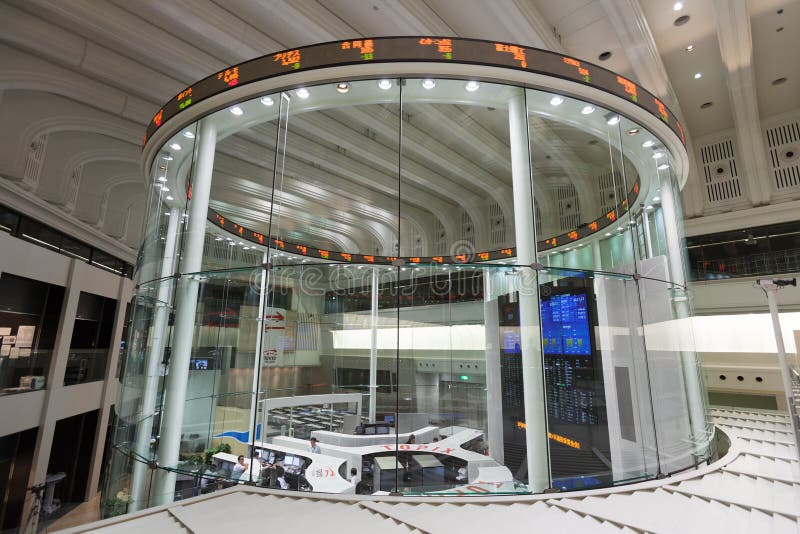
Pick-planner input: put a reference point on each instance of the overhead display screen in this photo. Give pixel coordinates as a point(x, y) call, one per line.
point(423, 49)
point(565, 325)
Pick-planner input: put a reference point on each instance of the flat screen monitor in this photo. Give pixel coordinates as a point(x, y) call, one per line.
point(565, 325)
point(270, 457)
point(200, 364)
point(369, 430)
point(291, 460)
point(388, 418)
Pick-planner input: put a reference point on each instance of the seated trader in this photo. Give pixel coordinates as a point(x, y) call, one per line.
point(313, 447)
point(281, 479)
point(239, 468)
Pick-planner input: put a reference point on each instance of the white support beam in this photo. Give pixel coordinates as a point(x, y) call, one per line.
point(736, 48)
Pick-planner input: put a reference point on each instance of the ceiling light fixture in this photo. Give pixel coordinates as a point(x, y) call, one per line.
point(236, 110)
point(267, 101)
point(677, 6)
point(343, 87)
point(587, 110)
point(303, 92)
point(633, 131)
point(658, 155)
point(165, 189)
point(656, 199)
point(428, 83)
point(663, 166)
point(472, 86)
point(175, 146)
point(167, 158)
point(170, 197)
point(690, 48)
point(608, 234)
point(706, 105)
point(162, 178)
point(188, 135)
point(613, 120)
point(556, 101)
point(648, 143)
point(698, 75)
point(385, 84)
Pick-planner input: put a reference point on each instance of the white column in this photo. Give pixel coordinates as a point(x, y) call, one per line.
point(257, 353)
point(597, 258)
point(152, 367)
point(373, 348)
point(680, 303)
point(185, 310)
point(648, 244)
point(530, 334)
point(494, 384)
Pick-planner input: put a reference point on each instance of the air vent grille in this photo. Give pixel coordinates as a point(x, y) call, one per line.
point(498, 225)
point(33, 165)
point(569, 213)
point(439, 238)
point(612, 190)
point(720, 171)
point(467, 228)
point(783, 142)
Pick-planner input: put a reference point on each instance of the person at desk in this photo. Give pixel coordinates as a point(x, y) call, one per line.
point(354, 478)
point(281, 477)
point(313, 447)
point(239, 468)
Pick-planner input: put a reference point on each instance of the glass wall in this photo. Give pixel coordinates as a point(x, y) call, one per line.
point(91, 339)
point(29, 317)
point(425, 286)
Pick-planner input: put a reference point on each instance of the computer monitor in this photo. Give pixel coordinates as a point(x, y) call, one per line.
point(293, 461)
point(270, 457)
point(388, 418)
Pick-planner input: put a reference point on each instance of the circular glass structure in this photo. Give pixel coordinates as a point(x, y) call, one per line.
point(460, 273)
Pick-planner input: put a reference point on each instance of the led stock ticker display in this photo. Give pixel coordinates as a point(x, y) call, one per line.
point(246, 234)
point(416, 49)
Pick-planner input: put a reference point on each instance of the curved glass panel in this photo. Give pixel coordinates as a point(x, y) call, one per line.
point(416, 285)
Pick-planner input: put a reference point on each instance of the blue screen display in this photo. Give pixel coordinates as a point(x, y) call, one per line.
point(565, 325)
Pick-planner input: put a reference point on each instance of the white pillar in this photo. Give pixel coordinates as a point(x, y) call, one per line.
point(597, 258)
point(530, 334)
point(152, 367)
point(185, 309)
point(771, 289)
point(494, 384)
point(257, 359)
point(680, 302)
point(373, 348)
point(648, 244)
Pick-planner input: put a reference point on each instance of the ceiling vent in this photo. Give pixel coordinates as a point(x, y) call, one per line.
point(33, 165)
point(783, 142)
point(497, 221)
point(569, 213)
point(612, 190)
point(720, 170)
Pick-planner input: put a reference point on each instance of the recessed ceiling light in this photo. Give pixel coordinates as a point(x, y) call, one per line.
point(658, 155)
point(162, 178)
point(472, 86)
point(188, 135)
point(302, 92)
point(342, 87)
point(706, 105)
point(648, 143)
point(680, 21)
point(556, 101)
point(604, 56)
point(166, 213)
point(236, 110)
point(170, 197)
point(690, 48)
point(677, 6)
point(778, 81)
point(780, 29)
point(175, 146)
point(167, 158)
point(267, 101)
point(428, 83)
point(385, 84)
point(698, 75)
point(620, 228)
point(165, 189)
point(218, 238)
point(663, 166)
point(656, 199)
point(633, 131)
point(587, 109)
point(608, 234)
point(613, 120)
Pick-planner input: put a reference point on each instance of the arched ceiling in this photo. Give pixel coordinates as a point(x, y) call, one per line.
point(80, 79)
